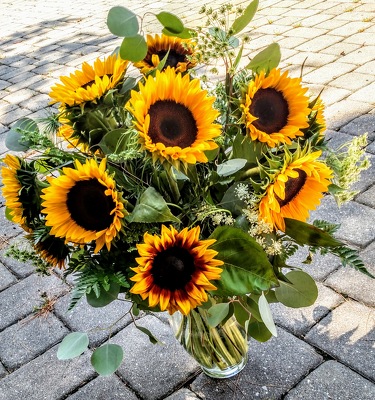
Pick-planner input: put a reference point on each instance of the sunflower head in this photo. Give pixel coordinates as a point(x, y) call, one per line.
point(295, 190)
point(82, 205)
point(275, 109)
point(179, 52)
point(174, 118)
point(51, 249)
point(175, 269)
point(91, 82)
point(20, 191)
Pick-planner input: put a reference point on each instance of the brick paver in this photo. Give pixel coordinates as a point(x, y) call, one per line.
point(324, 351)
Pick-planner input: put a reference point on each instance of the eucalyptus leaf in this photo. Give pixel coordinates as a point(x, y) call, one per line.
point(22, 127)
point(243, 20)
point(266, 60)
point(107, 358)
point(304, 233)
point(133, 48)
point(147, 332)
point(246, 267)
point(170, 21)
point(122, 22)
point(185, 34)
point(105, 296)
point(266, 314)
point(230, 167)
point(300, 292)
point(73, 345)
point(150, 208)
point(258, 331)
point(241, 314)
point(217, 313)
point(114, 141)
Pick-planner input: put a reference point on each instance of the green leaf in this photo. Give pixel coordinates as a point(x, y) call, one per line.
point(7, 214)
point(246, 266)
point(185, 34)
point(258, 331)
point(266, 314)
point(170, 21)
point(150, 208)
point(243, 20)
point(151, 337)
point(122, 22)
point(304, 233)
point(300, 292)
point(267, 59)
point(231, 166)
point(73, 345)
point(114, 141)
point(240, 313)
point(22, 127)
point(133, 48)
point(217, 313)
point(105, 296)
point(107, 358)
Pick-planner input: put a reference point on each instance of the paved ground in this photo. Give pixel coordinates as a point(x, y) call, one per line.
point(323, 352)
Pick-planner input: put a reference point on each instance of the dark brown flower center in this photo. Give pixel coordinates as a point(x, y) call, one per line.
point(271, 109)
point(172, 268)
point(89, 207)
point(172, 124)
point(173, 58)
point(292, 187)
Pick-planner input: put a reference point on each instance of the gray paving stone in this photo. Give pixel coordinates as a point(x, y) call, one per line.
point(97, 322)
point(319, 268)
point(368, 68)
point(8, 228)
point(359, 126)
point(367, 197)
point(38, 102)
point(20, 299)
point(366, 94)
point(357, 221)
point(19, 96)
point(153, 371)
point(273, 369)
point(354, 284)
point(355, 82)
point(20, 269)
point(183, 394)
point(343, 384)
point(348, 334)
point(319, 44)
point(300, 320)
point(3, 371)
point(109, 387)
point(29, 338)
point(6, 277)
point(46, 378)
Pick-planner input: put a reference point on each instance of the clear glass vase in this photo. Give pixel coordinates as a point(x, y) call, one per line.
point(221, 351)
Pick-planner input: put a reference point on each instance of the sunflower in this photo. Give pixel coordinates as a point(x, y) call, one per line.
point(275, 108)
point(318, 110)
point(180, 53)
point(296, 190)
point(90, 83)
point(175, 269)
point(53, 250)
point(82, 205)
point(174, 118)
point(12, 188)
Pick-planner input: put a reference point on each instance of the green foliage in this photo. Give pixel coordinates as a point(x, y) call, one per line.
point(170, 22)
point(73, 345)
point(246, 267)
point(299, 290)
point(122, 22)
point(243, 20)
point(16, 137)
point(265, 312)
point(350, 257)
point(107, 358)
point(266, 60)
point(151, 207)
point(133, 48)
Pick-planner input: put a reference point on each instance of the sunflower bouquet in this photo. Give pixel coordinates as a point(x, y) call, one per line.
point(178, 174)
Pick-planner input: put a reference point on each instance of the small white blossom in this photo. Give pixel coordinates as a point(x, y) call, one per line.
point(274, 248)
